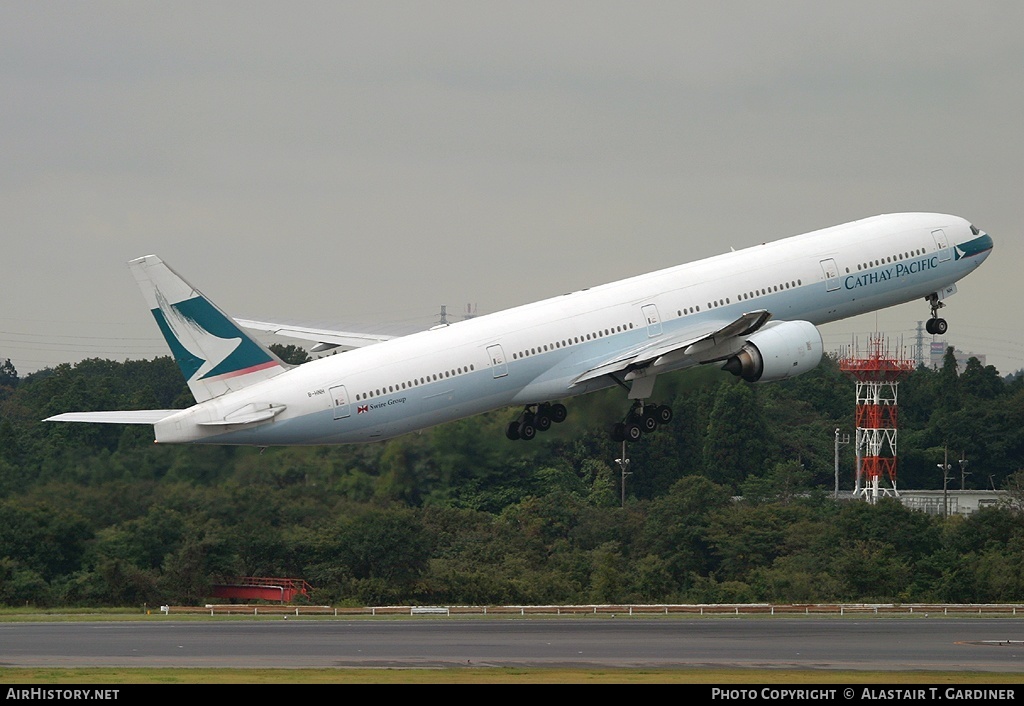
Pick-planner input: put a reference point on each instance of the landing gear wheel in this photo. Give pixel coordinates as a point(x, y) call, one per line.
point(527, 431)
point(542, 422)
point(535, 418)
point(663, 414)
point(558, 413)
point(648, 423)
point(936, 326)
point(642, 419)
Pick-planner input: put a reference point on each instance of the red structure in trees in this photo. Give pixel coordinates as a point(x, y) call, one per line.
point(878, 376)
point(267, 589)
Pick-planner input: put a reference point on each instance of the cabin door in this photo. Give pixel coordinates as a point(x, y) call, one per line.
point(828, 267)
point(499, 366)
point(339, 398)
point(652, 319)
point(942, 243)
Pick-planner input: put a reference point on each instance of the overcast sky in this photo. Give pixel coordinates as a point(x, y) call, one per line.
point(368, 162)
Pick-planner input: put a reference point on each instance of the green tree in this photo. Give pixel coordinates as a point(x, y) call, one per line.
point(745, 537)
point(912, 534)
point(608, 578)
point(293, 355)
point(949, 382)
point(782, 485)
point(872, 570)
point(1014, 487)
point(8, 378)
point(675, 531)
point(999, 572)
point(981, 382)
point(378, 554)
point(735, 443)
point(21, 586)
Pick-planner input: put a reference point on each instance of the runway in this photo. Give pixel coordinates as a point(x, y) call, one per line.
point(958, 644)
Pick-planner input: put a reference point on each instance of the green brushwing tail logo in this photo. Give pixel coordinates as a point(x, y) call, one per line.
point(205, 343)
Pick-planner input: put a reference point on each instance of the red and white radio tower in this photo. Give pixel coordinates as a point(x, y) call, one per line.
point(878, 377)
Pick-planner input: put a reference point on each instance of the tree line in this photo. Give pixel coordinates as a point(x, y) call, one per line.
point(99, 515)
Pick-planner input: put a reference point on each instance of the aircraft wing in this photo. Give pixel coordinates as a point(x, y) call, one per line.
point(709, 340)
point(326, 339)
point(139, 416)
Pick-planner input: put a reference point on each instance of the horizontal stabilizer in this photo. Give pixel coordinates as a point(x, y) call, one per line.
point(325, 339)
point(138, 416)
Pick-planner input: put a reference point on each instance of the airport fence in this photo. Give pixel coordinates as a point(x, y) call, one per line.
point(711, 609)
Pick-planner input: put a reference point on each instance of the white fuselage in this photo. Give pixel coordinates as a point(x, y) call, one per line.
point(534, 353)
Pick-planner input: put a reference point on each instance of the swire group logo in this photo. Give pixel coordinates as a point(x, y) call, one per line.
point(362, 408)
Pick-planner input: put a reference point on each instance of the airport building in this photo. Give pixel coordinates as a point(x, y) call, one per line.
point(942, 502)
point(938, 353)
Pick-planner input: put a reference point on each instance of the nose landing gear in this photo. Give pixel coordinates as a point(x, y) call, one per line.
point(935, 325)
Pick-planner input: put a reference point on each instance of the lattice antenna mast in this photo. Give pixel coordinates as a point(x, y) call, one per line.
point(878, 376)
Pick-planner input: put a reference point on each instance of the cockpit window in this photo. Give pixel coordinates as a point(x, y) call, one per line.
point(975, 230)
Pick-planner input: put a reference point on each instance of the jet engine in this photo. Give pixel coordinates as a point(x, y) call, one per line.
point(780, 350)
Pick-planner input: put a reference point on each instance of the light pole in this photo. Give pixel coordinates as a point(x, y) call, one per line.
point(844, 442)
point(623, 464)
point(945, 483)
point(963, 470)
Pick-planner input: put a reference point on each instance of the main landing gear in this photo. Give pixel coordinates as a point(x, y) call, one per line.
point(641, 419)
point(935, 325)
point(535, 418)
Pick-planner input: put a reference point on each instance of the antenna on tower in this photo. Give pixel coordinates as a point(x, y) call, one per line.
point(878, 376)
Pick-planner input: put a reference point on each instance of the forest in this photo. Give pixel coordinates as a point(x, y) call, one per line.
point(730, 502)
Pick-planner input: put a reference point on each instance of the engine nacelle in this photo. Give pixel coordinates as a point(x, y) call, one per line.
point(780, 350)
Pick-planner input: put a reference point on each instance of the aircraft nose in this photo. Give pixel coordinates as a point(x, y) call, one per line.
point(988, 241)
point(979, 246)
point(985, 245)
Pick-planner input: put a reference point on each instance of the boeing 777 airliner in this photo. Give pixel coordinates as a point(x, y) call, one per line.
point(752, 311)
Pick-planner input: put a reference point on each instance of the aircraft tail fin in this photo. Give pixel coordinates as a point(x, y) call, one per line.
point(214, 353)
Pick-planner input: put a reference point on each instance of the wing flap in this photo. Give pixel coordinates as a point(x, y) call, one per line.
point(138, 416)
point(743, 326)
point(689, 342)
